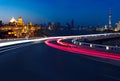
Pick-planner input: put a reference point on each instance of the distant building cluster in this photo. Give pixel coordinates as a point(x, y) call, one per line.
point(18, 29)
point(109, 27)
point(54, 26)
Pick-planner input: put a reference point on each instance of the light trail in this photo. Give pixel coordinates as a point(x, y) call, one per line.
point(63, 46)
point(20, 41)
point(81, 50)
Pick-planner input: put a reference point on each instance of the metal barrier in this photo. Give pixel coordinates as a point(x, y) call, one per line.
point(95, 37)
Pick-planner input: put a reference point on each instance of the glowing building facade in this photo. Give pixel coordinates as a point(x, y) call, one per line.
point(18, 29)
point(20, 21)
point(117, 28)
point(12, 20)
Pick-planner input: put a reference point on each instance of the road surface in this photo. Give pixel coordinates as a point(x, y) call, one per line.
point(39, 62)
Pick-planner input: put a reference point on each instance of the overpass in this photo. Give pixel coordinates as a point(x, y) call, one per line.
point(75, 47)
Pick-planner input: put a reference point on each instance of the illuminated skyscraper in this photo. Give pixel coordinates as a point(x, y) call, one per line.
point(118, 26)
point(20, 21)
point(110, 20)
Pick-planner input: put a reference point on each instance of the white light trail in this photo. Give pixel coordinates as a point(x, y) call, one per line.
point(42, 39)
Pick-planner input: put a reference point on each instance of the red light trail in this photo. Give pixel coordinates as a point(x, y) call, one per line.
point(81, 50)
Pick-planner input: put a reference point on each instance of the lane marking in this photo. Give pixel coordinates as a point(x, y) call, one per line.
point(15, 47)
point(8, 47)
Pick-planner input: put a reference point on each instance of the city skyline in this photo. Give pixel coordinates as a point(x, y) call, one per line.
point(84, 12)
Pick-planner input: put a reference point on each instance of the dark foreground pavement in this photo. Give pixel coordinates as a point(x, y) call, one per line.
point(39, 62)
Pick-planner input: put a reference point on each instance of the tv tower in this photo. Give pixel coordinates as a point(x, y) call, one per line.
point(110, 20)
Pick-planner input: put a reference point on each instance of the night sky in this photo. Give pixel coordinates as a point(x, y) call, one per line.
point(84, 12)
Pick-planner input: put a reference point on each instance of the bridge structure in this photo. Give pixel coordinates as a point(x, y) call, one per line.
point(88, 49)
point(71, 44)
point(81, 41)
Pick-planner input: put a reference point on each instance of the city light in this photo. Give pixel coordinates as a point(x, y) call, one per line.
point(107, 47)
point(18, 29)
point(91, 45)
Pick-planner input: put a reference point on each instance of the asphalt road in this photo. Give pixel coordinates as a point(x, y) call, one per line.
point(38, 62)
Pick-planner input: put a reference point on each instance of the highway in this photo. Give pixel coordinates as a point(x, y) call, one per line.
point(36, 61)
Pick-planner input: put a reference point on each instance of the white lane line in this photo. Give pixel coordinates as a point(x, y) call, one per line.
point(3, 48)
point(8, 47)
point(19, 46)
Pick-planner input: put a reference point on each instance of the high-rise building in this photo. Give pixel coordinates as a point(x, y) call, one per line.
point(20, 21)
point(110, 20)
point(118, 26)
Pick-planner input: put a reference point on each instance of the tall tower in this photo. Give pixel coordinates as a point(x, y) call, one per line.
point(110, 20)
